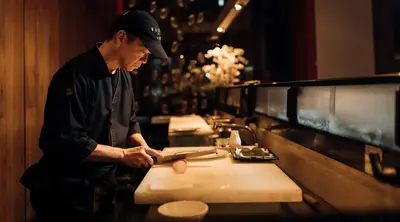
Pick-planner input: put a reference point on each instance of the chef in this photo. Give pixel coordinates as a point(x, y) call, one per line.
point(90, 125)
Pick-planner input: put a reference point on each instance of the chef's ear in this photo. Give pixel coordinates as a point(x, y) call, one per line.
point(120, 36)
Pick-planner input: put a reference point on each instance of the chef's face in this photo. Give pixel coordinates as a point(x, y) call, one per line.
point(131, 51)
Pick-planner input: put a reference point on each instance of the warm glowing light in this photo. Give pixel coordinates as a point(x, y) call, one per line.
point(238, 7)
point(227, 61)
point(219, 29)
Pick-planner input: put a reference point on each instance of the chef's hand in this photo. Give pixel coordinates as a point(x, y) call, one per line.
point(140, 156)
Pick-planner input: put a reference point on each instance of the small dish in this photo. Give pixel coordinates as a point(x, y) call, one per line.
point(253, 155)
point(184, 210)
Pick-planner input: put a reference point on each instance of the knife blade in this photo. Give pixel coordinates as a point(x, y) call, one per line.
point(185, 154)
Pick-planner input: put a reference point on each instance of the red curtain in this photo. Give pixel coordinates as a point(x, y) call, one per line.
point(304, 44)
point(120, 6)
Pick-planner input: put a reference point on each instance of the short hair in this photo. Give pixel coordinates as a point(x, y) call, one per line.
point(130, 37)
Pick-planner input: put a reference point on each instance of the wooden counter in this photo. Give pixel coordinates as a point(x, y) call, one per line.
point(217, 181)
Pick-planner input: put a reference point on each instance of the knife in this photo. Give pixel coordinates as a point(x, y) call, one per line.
point(185, 154)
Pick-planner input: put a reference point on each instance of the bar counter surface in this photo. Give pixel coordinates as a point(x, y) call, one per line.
point(128, 210)
point(219, 180)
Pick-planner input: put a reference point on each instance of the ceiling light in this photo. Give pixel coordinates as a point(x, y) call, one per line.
point(238, 7)
point(219, 29)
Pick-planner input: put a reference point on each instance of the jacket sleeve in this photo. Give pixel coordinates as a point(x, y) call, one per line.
point(134, 126)
point(64, 137)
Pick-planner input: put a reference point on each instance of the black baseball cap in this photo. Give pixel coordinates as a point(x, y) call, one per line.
point(141, 24)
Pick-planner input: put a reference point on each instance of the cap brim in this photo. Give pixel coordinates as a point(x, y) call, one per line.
point(156, 49)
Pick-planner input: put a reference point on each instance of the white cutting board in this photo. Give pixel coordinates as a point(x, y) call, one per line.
point(219, 181)
point(189, 122)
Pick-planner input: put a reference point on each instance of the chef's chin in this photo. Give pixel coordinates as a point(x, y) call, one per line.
point(130, 68)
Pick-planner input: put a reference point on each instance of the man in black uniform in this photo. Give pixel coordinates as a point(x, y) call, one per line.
point(90, 126)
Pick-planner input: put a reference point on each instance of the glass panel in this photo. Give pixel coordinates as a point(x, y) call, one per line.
point(277, 97)
point(222, 93)
point(236, 93)
point(314, 107)
point(261, 100)
point(366, 113)
point(229, 99)
point(233, 97)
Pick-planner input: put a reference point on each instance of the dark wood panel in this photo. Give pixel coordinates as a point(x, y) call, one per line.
point(82, 24)
point(36, 38)
point(55, 31)
point(72, 29)
point(12, 204)
point(41, 61)
point(99, 16)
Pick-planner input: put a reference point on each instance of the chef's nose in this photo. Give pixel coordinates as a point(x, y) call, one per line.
point(144, 58)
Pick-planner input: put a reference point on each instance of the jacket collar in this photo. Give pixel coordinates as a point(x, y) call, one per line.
point(96, 63)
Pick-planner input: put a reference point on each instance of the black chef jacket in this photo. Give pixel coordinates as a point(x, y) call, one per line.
point(85, 106)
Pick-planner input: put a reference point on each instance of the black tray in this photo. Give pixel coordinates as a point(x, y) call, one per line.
point(254, 158)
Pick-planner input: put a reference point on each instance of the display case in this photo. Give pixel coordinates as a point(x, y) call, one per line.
point(237, 100)
point(230, 99)
point(272, 101)
point(360, 109)
point(221, 95)
point(365, 113)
